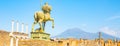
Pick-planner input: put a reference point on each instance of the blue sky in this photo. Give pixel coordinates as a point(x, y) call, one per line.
point(88, 15)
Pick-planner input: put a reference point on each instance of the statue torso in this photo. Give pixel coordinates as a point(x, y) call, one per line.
point(46, 17)
point(40, 15)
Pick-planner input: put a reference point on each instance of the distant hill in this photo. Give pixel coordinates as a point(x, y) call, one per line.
point(78, 33)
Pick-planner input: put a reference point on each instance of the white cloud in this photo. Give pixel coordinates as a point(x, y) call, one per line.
point(109, 31)
point(113, 18)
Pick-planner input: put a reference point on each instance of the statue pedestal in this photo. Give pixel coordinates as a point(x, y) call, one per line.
point(40, 36)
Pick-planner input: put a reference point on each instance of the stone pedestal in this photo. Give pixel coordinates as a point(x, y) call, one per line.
point(40, 36)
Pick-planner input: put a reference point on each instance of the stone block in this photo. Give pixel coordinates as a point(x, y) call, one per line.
point(40, 36)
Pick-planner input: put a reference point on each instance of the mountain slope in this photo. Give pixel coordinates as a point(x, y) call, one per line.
point(78, 33)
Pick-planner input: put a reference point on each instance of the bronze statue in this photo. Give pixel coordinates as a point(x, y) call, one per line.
point(42, 17)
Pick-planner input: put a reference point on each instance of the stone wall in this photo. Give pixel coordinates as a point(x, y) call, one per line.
point(4, 38)
point(31, 42)
point(5, 41)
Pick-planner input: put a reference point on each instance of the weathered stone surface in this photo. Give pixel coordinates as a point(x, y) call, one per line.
point(4, 38)
point(5, 41)
point(40, 36)
point(37, 43)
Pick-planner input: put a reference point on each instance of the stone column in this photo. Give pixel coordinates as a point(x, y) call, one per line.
point(17, 41)
point(22, 27)
point(12, 25)
point(17, 28)
point(11, 35)
point(26, 29)
point(11, 41)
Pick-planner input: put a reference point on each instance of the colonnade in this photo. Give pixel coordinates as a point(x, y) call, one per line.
point(15, 34)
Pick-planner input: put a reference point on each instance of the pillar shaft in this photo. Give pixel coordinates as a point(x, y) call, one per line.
point(12, 26)
point(22, 27)
point(17, 28)
point(26, 28)
point(11, 42)
point(17, 41)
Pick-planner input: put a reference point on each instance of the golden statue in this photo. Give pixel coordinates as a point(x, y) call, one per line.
point(42, 17)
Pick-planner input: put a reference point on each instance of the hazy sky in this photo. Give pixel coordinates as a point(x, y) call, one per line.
point(88, 15)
